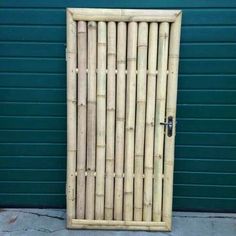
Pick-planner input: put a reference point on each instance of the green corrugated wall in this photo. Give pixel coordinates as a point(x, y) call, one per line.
point(33, 102)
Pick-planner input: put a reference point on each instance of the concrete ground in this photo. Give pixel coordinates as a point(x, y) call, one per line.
point(44, 221)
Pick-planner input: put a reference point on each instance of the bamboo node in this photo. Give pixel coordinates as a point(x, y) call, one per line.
point(150, 74)
point(121, 62)
point(132, 59)
point(168, 163)
point(174, 56)
point(92, 102)
point(72, 101)
point(150, 124)
point(142, 45)
point(129, 128)
point(109, 174)
point(101, 146)
point(102, 44)
point(111, 109)
point(111, 54)
point(101, 95)
point(120, 119)
point(92, 25)
point(147, 204)
point(141, 101)
point(119, 175)
point(91, 173)
point(164, 35)
point(149, 167)
point(81, 105)
point(71, 151)
point(108, 207)
point(139, 156)
point(128, 192)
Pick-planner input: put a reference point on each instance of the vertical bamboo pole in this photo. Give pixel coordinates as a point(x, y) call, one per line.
point(91, 120)
point(120, 120)
point(160, 117)
point(173, 65)
point(130, 120)
point(101, 120)
point(110, 144)
point(71, 118)
point(81, 121)
point(149, 131)
point(140, 119)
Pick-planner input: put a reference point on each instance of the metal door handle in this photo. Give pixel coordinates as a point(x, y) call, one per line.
point(169, 125)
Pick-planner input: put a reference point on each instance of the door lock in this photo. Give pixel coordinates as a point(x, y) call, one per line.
point(169, 125)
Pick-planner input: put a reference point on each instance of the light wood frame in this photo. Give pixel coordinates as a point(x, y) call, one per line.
point(107, 15)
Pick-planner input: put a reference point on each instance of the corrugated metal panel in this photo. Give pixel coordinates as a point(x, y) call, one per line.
point(33, 102)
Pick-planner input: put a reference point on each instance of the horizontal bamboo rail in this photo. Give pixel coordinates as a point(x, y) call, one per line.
point(123, 225)
point(87, 14)
point(125, 71)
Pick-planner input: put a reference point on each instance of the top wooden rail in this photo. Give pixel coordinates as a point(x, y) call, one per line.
point(126, 15)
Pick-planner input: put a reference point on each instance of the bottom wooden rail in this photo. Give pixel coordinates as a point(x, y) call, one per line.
point(116, 224)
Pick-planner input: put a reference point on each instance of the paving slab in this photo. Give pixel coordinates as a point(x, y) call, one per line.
point(37, 222)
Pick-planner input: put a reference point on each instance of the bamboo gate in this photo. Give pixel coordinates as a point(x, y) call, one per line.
point(122, 71)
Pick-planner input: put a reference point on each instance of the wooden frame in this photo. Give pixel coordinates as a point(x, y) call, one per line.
point(91, 117)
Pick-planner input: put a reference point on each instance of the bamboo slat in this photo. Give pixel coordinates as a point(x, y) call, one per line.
point(173, 65)
point(81, 120)
point(160, 117)
point(71, 118)
point(149, 131)
point(91, 119)
point(111, 104)
point(101, 121)
point(140, 119)
point(120, 120)
point(130, 120)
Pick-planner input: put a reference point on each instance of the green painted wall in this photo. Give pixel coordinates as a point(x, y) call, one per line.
point(33, 102)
